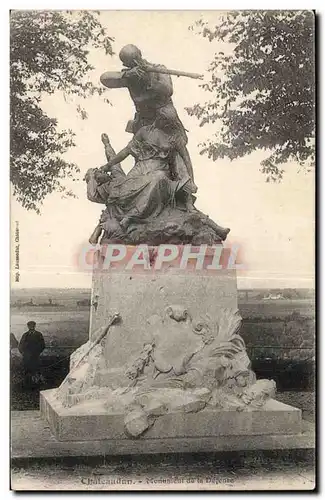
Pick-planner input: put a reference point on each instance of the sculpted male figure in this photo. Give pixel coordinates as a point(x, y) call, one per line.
point(151, 93)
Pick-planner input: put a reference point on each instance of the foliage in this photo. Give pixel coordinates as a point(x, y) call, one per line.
point(48, 53)
point(262, 86)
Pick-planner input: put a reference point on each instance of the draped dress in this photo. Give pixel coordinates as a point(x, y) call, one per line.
point(149, 187)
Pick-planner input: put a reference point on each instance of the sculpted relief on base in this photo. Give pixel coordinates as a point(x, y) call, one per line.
point(188, 365)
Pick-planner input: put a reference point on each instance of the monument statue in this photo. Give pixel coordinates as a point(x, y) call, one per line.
point(154, 203)
point(188, 364)
point(171, 363)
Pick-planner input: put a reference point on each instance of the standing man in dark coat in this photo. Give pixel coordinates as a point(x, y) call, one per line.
point(31, 346)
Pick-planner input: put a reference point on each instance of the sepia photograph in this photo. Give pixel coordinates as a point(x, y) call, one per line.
point(162, 240)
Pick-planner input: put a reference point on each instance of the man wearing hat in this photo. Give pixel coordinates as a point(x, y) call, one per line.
point(31, 346)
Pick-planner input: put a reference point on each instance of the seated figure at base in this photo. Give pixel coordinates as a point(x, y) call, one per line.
point(156, 194)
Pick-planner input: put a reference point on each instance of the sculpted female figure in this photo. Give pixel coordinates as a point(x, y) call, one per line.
point(156, 186)
point(154, 179)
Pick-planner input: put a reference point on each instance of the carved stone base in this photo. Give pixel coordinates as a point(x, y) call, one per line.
point(138, 295)
point(92, 421)
point(164, 360)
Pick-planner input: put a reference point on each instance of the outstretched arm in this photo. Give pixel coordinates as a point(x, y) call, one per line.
point(110, 153)
point(113, 80)
point(124, 153)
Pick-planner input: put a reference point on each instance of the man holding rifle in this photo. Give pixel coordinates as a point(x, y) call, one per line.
point(151, 90)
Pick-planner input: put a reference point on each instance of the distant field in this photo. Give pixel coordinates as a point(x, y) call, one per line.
point(279, 334)
point(68, 298)
point(66, 325)
point(48, 298)
point(276, 308)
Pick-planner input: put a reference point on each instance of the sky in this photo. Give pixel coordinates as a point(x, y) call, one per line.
point(272, 223)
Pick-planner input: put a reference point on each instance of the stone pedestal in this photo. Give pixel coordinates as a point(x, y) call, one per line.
point(138, 296)
point(174, 366)
point(92, 421)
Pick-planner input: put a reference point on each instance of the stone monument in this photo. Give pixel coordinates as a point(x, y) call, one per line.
point(165, 359)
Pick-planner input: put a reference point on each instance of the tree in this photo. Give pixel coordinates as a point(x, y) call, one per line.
point(263, 88)
point(48, 53)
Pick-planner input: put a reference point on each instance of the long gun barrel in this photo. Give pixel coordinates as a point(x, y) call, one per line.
point(175, 72)
point(165, 71)
point(99, 335)
point(115, 80)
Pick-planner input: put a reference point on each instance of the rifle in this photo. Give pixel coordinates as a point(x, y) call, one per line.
point(115, 80)
point(175, 72)
point(99, 335)
point(149, 68)
point(63, 389)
